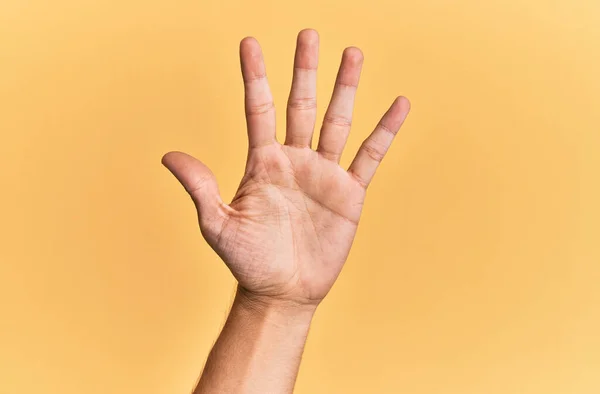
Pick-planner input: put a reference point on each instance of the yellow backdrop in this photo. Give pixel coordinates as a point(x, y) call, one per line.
point(476, 266)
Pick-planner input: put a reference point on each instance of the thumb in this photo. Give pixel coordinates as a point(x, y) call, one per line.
point(201, 184)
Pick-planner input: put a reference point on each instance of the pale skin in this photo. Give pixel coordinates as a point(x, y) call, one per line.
point(287, 232)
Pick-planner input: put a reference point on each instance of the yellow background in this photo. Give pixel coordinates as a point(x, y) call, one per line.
point(476, 266)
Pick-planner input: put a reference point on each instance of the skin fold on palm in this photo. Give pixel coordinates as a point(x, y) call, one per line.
point(288, 230)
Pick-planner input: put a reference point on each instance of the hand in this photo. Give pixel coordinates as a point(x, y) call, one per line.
point(288, 231)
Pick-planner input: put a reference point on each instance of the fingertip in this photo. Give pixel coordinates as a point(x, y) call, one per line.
point(309, 36)
point(249, 45)
point(403, 102)
point(248, 40)
point(251, 59)
point(166, 158)
point(175, 159)
point(353, 55)
point(307, 50)
point(400, 109)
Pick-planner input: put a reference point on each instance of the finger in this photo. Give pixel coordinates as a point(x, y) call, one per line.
point(338, 118)
point(302, 103)
point(374, 148)
point(260, 110)
point(199, 181)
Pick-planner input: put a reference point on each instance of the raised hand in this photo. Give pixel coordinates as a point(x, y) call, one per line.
point(288, 231)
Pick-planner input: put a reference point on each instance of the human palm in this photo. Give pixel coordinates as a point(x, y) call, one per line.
point(288, 230)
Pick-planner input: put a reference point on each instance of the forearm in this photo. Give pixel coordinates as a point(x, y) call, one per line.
point(259, 348)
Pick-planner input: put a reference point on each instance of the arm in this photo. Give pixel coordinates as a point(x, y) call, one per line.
point(259, 349)
point(287, 232)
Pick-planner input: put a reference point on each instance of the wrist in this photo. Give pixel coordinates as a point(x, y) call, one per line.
point(279, 311)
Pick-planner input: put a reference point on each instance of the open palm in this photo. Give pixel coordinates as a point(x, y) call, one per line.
point(290, 226)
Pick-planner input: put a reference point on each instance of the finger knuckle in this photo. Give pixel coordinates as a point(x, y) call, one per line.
point(363, 183)
point(373, 150)
point(386, 129)
point(260, 108)
point(302, 103)
point(338, 120)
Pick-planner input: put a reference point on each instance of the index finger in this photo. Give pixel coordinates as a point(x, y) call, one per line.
point(260, 110)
